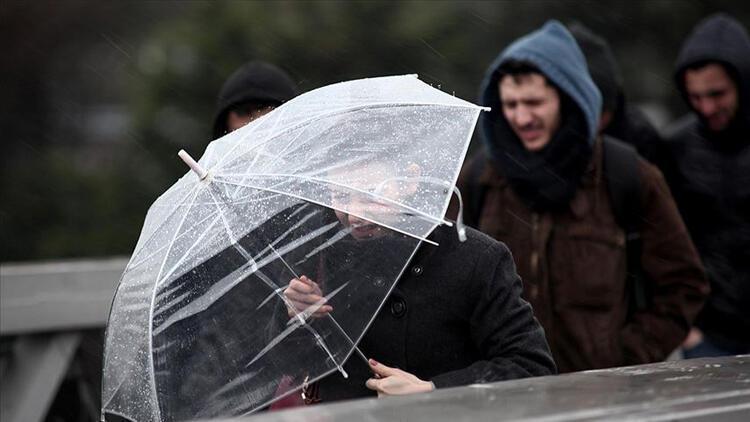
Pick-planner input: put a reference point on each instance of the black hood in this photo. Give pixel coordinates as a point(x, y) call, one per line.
point(255, 81)
point(722, 39)
point(602, 65)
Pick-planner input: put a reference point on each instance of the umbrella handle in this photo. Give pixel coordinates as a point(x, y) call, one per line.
point(460, 228)
point(197, 168)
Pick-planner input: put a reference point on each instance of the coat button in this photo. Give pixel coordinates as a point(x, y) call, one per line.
point(398, 308)
point(416, 270)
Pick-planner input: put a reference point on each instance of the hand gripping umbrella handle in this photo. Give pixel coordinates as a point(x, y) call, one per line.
point(197, 168)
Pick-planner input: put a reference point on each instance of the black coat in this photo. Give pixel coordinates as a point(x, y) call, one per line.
point(455, 317)
point(630, 125)
point(709, 175)
point(711, 186)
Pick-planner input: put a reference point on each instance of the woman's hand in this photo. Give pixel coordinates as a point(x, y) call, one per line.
point(395, 382)
point(306, 296)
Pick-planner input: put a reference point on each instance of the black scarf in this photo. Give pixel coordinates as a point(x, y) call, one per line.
point(545, 180)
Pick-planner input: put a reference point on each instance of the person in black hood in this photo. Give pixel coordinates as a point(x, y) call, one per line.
point(706, 161)
point(619, 119)
point(251, 91)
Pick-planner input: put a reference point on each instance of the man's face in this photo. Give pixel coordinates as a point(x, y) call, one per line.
point(532, 107)
point(713, 94)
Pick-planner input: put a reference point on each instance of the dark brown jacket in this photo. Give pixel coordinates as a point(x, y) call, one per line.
point(573, 267)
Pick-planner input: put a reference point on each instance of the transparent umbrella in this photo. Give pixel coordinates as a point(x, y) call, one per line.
point(339, 185)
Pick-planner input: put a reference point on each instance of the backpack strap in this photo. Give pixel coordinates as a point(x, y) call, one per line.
point(624, 185)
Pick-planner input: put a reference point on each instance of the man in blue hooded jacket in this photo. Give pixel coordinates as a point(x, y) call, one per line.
point(540, 189)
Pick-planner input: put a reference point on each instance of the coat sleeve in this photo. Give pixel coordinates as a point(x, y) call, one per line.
point(671, 263)
point(502, 326)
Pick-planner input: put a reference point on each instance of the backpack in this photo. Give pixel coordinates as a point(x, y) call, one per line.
point(620, 162)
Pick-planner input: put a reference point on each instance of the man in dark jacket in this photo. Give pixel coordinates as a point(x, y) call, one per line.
point(619, 118)
point(251, 91)
point(706, 162)
point(544, 195)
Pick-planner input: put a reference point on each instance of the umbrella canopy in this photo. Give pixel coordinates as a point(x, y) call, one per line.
point(339, 185)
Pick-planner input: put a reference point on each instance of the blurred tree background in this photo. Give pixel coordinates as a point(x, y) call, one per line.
point(97, 97)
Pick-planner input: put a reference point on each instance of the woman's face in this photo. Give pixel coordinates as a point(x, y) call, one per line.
point(379, 185)
point(360, 205)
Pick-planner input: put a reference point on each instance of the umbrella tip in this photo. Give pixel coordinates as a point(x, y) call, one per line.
point(197, 168)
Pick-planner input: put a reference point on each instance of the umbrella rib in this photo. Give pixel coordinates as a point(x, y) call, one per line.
point(215, 398)
point(395, 229)
point(252, 265)
point(356, 347)
point(146, 258)
point(302, 240)
point(276, 156)
point(228, 229)
point(187, 252)
point(178, 299)
point(236, 276)
point(328, 243)
point(331, 182)
point(151, 307)
point(302, 318)
point(156, 229)
point(315, 306)
point(250, 130)
point(336, 323)
point(311, 235)
point(235, 240)
point(343, 110)
point(283, 261)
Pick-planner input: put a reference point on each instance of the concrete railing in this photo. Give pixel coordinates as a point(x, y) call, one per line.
point(44, 306)
point(710, 390)
point(54, 296)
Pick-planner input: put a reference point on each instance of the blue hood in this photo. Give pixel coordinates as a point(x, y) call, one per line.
point(554, 51)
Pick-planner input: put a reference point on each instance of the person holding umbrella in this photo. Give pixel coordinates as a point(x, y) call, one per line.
point(345, 186)
point(455, 316)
